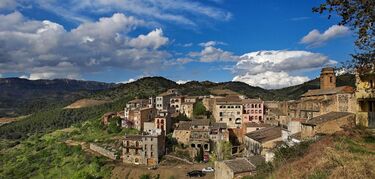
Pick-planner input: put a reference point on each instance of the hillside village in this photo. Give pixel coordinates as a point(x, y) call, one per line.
point(235, 134)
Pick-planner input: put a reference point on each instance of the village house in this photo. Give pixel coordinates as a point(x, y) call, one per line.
point(187, 109)
point(262, 141)
point(182, 132)
point(162, 101)
point(191, 99)
point(200, 134)
point(219, 132)
point(365, 95)
point(252, 126)
point(235, 168)
point(145, 149)
point(107, 116)
point(176, 102)
point(326, 124)
point(137, 103)
point(253, 110)
point(138, 116)
point(163, 122)
point(327, 99)
point(228, 110)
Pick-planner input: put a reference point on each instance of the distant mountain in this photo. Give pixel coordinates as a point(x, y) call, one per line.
point(294, 92)
point(21, 96)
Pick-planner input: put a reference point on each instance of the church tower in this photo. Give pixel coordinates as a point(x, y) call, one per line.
point(327, 78)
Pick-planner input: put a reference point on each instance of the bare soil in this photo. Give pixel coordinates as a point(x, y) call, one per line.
point(86, 103)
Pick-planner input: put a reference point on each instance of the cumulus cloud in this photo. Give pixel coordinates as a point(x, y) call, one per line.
point(176, 11)
point(129, 81)
point(42, 48)
point(265, 68)
point(154, 39)
point(271, 80)
point(8, 4)
point(210, 53)
point(315, 38)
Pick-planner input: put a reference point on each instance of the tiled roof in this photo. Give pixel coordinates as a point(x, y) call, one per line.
point(247, 101)
point(219, 125)
point(326, 117)
point(239, 165)
point(229, 100)
point(317, 92)
point(184, 125)
point(254, 124)
point(200, 122)
point(265, 134)
point(257, 160)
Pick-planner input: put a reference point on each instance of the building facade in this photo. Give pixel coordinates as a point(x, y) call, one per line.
point(253, 110)
point(365, 95)
point(228, 110)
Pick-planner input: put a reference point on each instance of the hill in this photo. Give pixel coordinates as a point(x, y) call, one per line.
point(21, 96)
point(345, 154)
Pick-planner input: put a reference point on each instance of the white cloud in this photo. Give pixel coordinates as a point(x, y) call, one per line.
point(211, 43)
point(271, 80)
point(180, 82)
point(315, 38)
point(154, 39)
point(212, 54)
point(8, 4)
point(42, 48)
point(271, 69)
point(280, 60)
point(176, 11)
point(129, 81)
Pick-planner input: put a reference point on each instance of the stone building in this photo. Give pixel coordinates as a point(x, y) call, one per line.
point(191, 99)
point(137, 103)
point(327, 99)
point(187, 109)
point(176, 102)
point(252, 126)
point(163, 100)
point(107, 116)
point(200, 134)
point(262, 141)
point(365, 95)
point(139, 115)
point(326, 124)
point(182, 132)
point(253, 110)
point(145, 149)
point(236, 168)
point(163, 121)
point(228, 110)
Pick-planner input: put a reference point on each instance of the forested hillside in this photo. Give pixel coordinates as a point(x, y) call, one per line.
point(21, 96)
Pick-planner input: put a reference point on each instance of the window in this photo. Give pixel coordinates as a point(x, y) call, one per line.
point(151, 146)
point(331, 79)
point(230, 119)
point(221, 113)
point(252, 105)
point(152, 154)
point(371, 84)
point(221, 119)
point(238, 112)
point(260, 111)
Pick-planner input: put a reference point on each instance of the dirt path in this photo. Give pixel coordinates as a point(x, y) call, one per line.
point(122, 171)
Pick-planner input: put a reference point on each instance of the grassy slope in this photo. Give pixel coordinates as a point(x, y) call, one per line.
point(47, 156)
point(349, 154)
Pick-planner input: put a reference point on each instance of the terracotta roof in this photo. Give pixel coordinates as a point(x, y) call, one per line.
point(265, 134)
point(239, 165)
point(299, 119)
point(254, 124)
point(337, 90)
point(326, 117)
point(133, 137)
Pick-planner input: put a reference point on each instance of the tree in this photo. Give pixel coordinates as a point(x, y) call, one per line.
point(199, 109)
point(114, 125)
point(360, 16)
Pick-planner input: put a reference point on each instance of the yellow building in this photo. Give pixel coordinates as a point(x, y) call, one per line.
point(365, 95)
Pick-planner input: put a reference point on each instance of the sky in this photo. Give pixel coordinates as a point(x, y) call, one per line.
point(266, 43)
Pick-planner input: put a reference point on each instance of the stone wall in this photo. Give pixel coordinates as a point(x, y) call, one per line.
point(105, 152)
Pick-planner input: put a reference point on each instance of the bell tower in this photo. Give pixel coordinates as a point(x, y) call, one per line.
point(327, 78)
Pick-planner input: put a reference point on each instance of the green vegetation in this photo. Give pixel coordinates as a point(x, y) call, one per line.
point(225, 152)
point(199, 109)
point(114, 125)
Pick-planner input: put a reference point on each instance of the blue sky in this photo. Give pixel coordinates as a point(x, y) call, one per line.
point(117, 41)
